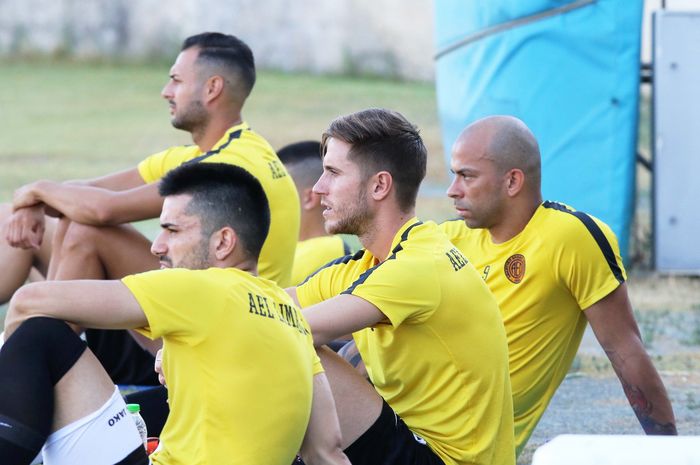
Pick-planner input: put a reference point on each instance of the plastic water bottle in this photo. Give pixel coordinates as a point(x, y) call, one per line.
point(134, 410)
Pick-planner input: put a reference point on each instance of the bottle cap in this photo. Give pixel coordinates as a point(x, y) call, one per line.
point(133, 408)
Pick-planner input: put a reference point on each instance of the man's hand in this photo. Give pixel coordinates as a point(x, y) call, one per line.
point(158, 367)
point(26, 196)
point(25, 228)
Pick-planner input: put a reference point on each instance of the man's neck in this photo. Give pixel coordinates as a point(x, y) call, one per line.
point(380, 236)
point(215, 129)
point(244, 264)
point(517, 218)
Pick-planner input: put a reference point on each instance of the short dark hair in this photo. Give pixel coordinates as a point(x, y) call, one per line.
point(227, 52)
point(383, 140)
point(303, 161)
point(223, 195)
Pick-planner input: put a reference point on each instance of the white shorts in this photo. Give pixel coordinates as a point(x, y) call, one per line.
point(102, 438)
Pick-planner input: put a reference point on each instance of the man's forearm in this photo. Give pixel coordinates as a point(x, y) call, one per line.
point(98, 206)
point(80, 203)
point(646, 393)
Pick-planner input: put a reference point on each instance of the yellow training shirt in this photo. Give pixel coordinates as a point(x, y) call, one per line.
point(239, 361)
point(440, 359)
point(241, 146)
point(313, 253)
point(561, 263)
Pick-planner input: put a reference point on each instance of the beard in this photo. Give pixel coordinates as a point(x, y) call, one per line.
point(193, 117)
point(354, 219)
point(197, 258)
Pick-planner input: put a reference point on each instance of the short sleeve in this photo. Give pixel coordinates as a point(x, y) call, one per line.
point(157, 165)
point(404, 290)
point(591, 265)
point(324, 284)
point(166, 298)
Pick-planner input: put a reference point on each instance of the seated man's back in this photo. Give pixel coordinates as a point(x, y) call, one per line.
point(238, 358)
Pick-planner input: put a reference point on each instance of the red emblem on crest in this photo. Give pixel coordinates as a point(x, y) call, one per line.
point(515, 268)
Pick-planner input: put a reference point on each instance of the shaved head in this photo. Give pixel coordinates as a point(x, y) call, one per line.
point(508, 143)
point(496, 162)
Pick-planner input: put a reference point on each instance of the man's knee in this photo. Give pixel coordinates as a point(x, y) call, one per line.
point(80, 238)
point(44, 342)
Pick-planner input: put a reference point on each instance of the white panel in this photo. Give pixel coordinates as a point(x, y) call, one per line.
point(677, 141)
point(588, 449)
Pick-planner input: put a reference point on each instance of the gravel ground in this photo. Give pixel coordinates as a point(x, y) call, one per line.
point(591, 400)
point(587, 404)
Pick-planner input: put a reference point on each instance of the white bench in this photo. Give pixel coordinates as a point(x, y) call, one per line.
point(579, 449)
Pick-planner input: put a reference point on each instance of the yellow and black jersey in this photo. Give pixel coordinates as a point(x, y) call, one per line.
point(238, 356)
point(440, 357)
point(313, 253)
point(243, 147)
point(562, 262)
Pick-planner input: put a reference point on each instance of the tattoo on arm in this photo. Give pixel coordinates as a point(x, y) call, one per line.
point(643, 408)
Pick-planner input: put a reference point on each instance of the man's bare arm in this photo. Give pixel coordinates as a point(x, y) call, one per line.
point(616, 330)
point(25, 228)
point(340, 315)
point(322, 442)
point(119, 181)
point(87, 303)
point(92, 205)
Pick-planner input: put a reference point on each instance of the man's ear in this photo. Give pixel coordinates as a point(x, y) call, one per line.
point(308, 199)
point(223, 242)
point(515, 180)
point(213, 88)
point(380, 185)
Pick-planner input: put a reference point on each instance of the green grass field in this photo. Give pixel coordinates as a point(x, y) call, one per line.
point(75, 120)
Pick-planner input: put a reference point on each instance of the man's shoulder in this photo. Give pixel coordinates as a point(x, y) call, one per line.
point(246, 139)
point(423, 247)
point(568, 224)
point(453, 227)
point(460, 234)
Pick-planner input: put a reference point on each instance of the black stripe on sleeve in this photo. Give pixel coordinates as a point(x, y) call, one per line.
point(231, 137)
point(337, 261)
point(597, 234)
point(399, 247)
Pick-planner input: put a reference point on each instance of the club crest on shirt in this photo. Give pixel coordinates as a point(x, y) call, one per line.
point(515, 268)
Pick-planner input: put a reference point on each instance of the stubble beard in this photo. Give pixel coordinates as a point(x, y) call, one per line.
point(192, 119)
point(355, 221)
point(198, 258)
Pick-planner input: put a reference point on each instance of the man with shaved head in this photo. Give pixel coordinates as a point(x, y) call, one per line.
point(552, 270)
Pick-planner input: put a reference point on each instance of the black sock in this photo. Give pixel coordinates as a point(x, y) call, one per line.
point(32, 361)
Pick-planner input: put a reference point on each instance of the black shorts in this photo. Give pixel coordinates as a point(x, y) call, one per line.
point(389, 442)
point(124, 360)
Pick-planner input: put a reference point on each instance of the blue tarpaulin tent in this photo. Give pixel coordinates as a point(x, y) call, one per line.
point(570, 70)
